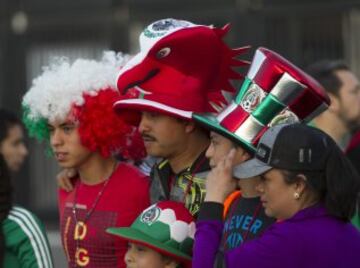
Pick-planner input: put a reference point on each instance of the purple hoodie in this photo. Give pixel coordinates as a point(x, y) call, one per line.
point(311, 238)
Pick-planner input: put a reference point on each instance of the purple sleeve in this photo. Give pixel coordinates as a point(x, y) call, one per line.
point(208, 234)
point(207, 241)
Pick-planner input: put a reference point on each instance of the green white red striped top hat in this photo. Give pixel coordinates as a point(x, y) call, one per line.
point(167, 227)
point(274, 91)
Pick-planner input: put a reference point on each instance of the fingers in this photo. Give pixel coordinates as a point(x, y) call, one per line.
point(227, 163)
point(229, 159)
point(64, 179)
point(219, 182)
point(64, 183)
point(68, 185)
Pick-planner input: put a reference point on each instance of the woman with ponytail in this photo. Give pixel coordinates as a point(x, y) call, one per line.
point(309, 186)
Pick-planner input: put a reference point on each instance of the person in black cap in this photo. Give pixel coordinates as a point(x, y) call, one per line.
point(310, 186)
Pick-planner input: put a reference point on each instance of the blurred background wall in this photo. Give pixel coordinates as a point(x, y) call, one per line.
point(33, 31)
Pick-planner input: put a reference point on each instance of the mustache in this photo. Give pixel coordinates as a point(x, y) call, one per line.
point(148, 137)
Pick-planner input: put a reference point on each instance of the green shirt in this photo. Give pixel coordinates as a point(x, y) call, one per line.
point(25, 241)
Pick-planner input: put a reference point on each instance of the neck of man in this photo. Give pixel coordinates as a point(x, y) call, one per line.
point(189, 154)
point(332, 125)
point(96, 169)
point(248, 187)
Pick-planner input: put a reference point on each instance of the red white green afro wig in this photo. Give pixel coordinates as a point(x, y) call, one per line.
point(84, 92)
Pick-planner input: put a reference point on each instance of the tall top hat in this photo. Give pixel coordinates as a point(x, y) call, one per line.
point(274, 91)
point(181, 68)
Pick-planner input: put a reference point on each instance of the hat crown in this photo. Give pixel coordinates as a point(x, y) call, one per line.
point(181, 65)
point(168, 222)
point(159, 29)
point(274, 91)
point(309, 152)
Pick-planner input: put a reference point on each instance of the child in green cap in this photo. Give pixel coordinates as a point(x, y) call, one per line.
point(161, 237)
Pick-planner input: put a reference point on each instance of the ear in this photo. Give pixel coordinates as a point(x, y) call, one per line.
point(300, 185)
point(241, 155)
point(335, 103)
point(189, 126)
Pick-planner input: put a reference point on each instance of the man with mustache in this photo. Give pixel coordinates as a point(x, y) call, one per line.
point(182, 68)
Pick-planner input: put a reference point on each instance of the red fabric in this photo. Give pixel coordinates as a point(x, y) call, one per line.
point(102, 130)
point(181, 212)
point(274, 67)
point(355, 141)
point(198, 66)
point(234, 119)
point(124, 198)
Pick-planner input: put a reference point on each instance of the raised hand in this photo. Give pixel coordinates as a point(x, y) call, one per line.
point(220, 182)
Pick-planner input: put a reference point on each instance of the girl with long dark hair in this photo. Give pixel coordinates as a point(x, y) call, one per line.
point(23, 240)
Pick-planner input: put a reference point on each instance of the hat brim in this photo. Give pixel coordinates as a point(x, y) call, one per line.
point(210, 122)
point(140, 105)
point(139, 237)
point(250, 168)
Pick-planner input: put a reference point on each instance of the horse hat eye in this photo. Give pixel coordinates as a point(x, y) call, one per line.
point(162, 53)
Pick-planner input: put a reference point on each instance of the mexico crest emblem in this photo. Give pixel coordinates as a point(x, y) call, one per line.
point(251, 99)
point(150, 215)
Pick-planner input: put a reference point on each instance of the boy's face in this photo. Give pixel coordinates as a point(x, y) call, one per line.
point(220, 147)
point(138, 256)
point(66, 144)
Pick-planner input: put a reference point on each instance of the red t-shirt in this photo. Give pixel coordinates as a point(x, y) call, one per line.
point(125, 196)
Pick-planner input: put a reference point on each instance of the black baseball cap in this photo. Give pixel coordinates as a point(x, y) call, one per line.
point(295, 147)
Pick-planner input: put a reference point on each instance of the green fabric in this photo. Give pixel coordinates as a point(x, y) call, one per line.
point(37, 128)
point(134, 235)
point(158, 230)
point(243, 90)
point(356, 220)
point(25, 241)
point(267, 109)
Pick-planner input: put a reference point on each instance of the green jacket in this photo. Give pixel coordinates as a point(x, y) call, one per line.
point(25, 241)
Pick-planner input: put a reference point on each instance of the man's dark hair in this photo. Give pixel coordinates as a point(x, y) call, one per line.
point(324, 72)
point(7, 120)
